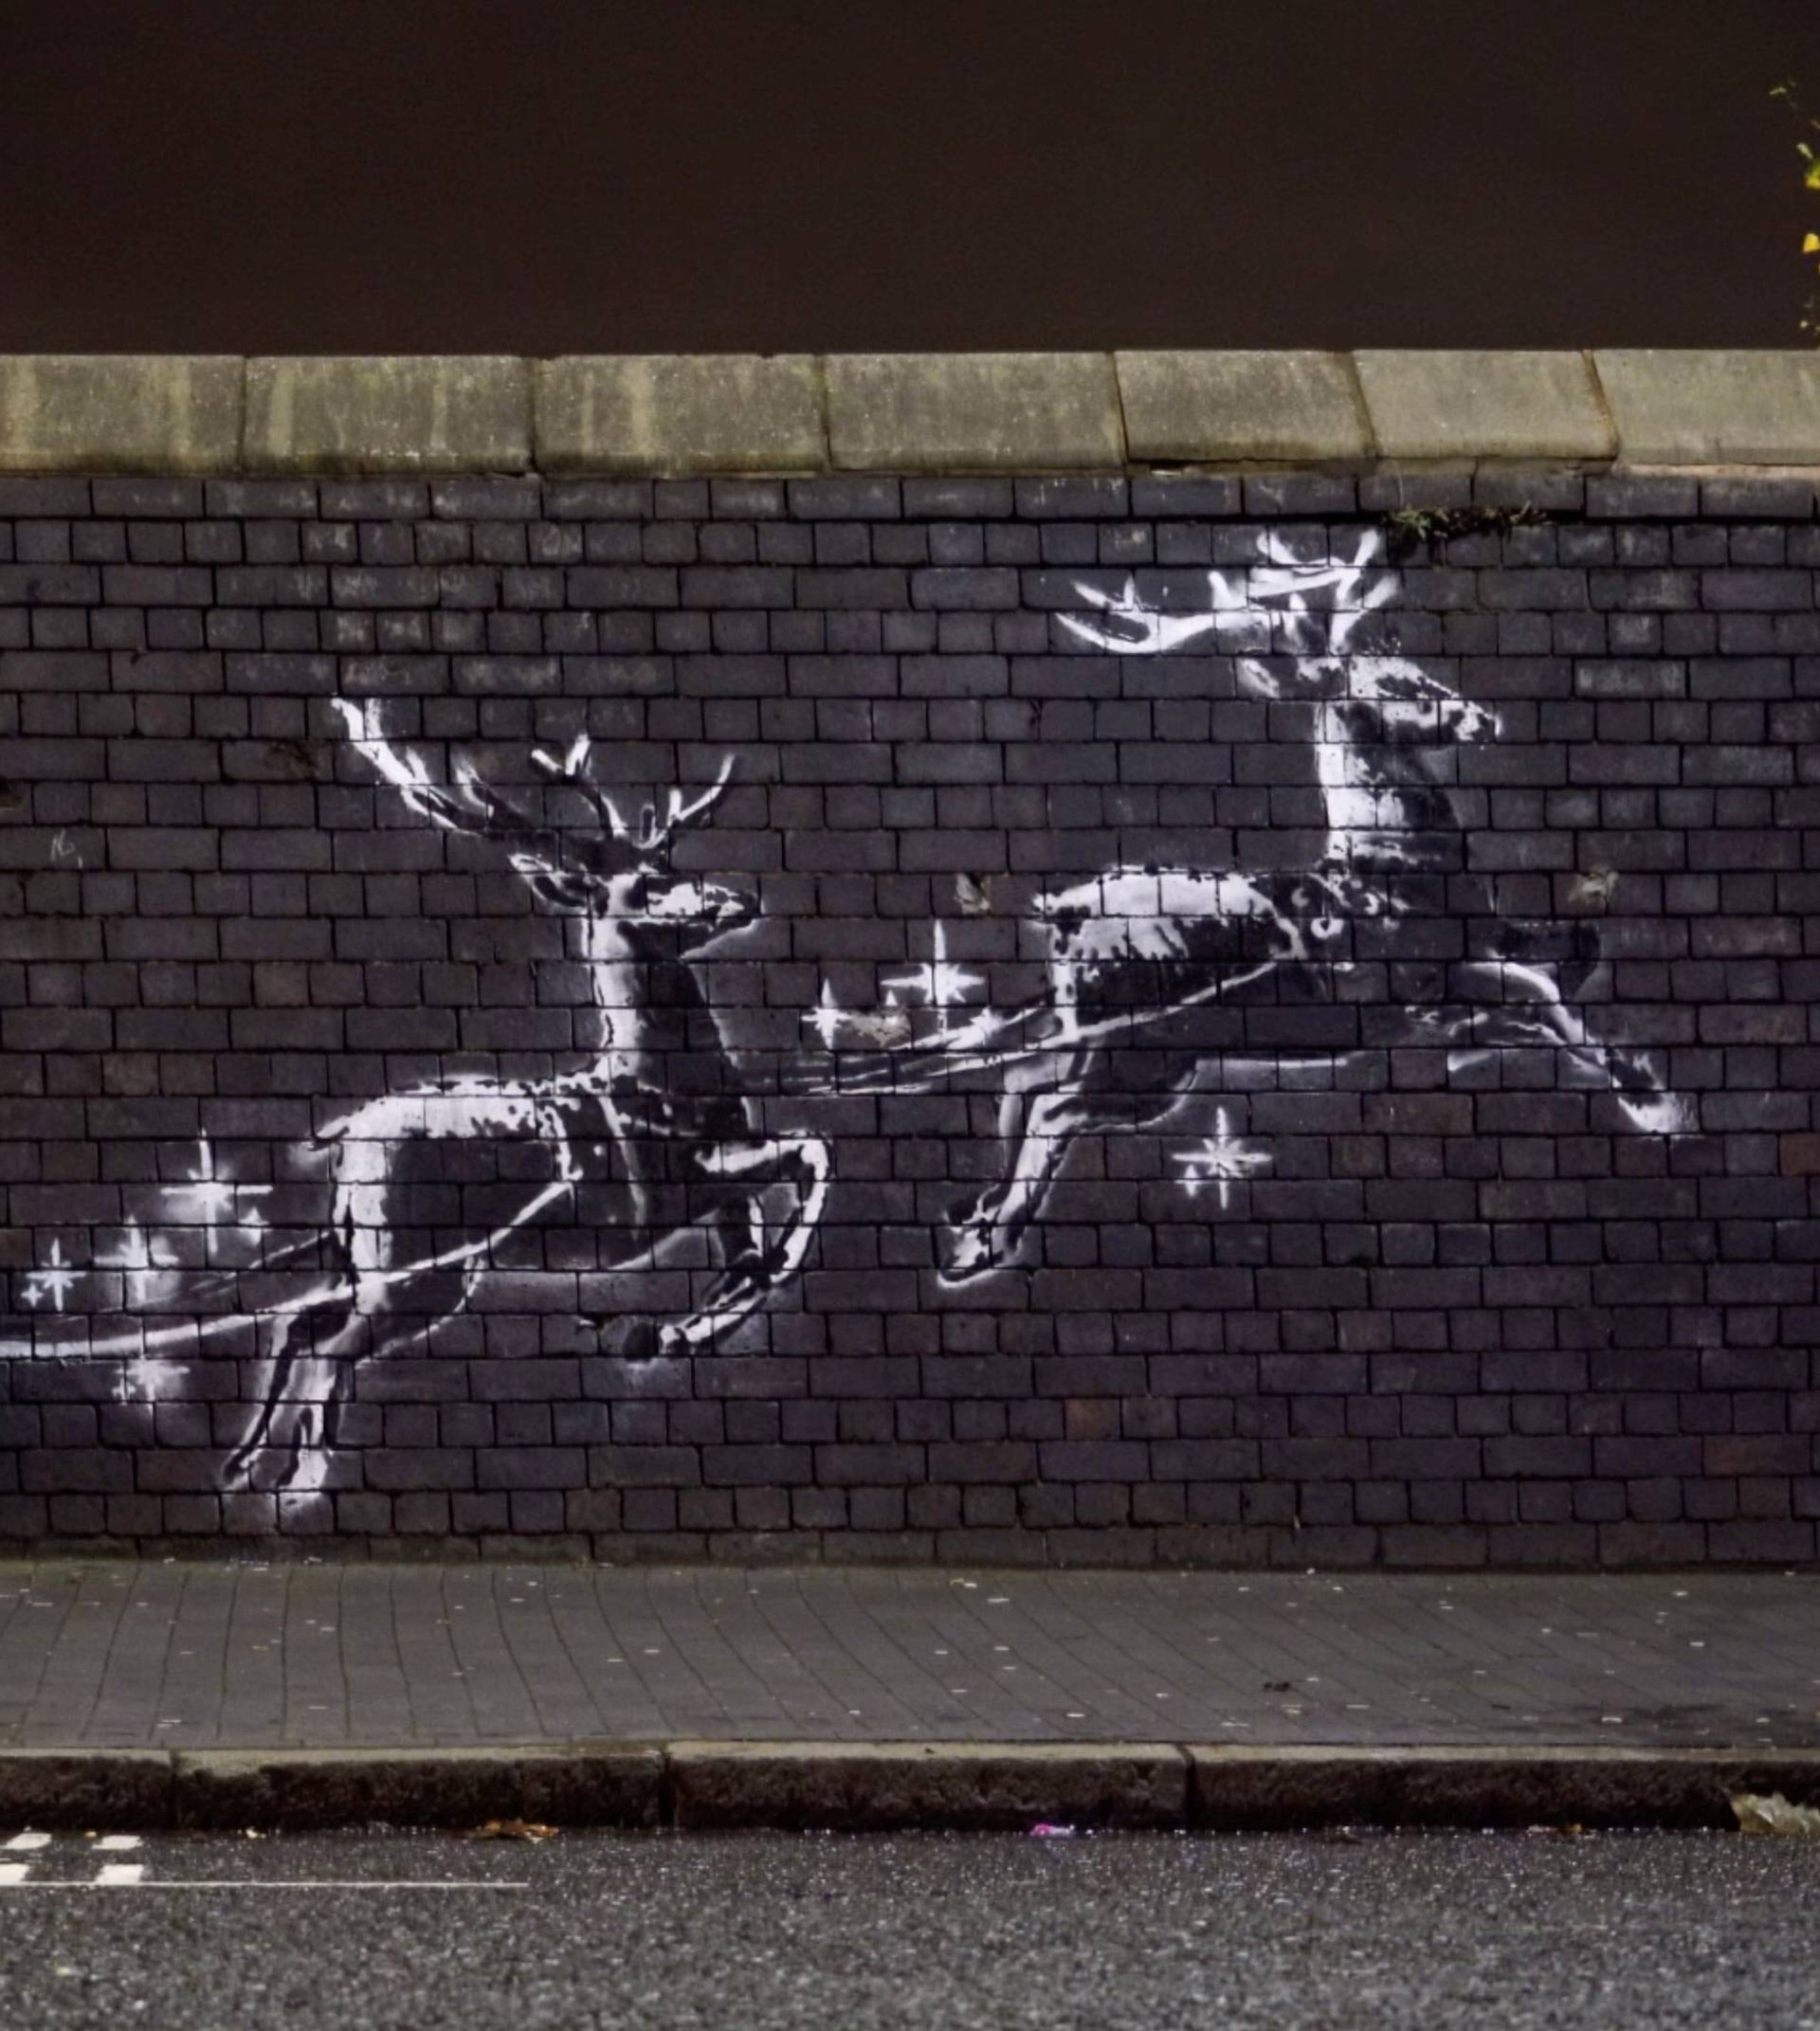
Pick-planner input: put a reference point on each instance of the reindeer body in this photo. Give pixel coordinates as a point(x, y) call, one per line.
point(1128, 955)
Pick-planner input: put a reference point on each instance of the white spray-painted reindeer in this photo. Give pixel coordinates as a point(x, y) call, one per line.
point(1130, 950)
point(683, 1145)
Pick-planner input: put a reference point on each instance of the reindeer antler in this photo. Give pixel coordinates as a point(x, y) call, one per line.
point(470, 807)
point(572, 772)
point(681, 814)
point(651, 837)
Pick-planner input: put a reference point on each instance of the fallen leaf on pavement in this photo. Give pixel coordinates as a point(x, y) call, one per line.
point(512, 1830)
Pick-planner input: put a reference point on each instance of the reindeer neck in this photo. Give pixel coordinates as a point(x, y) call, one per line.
point(642, 987)
point(615, 976)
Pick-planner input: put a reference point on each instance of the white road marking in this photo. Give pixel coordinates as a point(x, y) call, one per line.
point(131, 1874)
point(353, 1883)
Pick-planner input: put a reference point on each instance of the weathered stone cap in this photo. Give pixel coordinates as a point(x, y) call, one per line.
point(912, 413)
point(119, 413)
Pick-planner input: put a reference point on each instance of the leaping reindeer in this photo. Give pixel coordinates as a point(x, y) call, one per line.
point(1129, 951)
point(682, 1157)
point(636, 923)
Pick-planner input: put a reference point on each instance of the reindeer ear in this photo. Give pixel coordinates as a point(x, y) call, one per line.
point(556, 887)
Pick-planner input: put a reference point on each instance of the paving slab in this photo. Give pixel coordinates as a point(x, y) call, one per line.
point(183, 1656)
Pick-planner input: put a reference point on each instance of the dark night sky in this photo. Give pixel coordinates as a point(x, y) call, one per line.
point(593, 176)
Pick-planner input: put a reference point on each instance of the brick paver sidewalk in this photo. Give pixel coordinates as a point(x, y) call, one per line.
point(184, 1655)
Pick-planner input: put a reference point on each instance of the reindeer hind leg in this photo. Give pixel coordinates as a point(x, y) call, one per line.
point(290, 1440)
point(772, 1256)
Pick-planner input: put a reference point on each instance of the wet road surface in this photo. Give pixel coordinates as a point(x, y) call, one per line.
point(757, 1931)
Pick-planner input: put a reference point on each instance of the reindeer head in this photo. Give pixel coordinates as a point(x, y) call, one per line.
point(1393, 703)
point(615, 877)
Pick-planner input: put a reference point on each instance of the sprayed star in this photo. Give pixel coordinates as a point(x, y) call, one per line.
point(827, 1019)
point(939, 985)
point(144, 1257)
point(1221, 1161)
point(54, 1280)
point(214, 1195)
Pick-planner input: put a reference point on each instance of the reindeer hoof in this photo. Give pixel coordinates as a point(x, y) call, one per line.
point(970, 1251)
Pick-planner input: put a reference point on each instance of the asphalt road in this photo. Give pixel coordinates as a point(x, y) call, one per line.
point(761, 1931)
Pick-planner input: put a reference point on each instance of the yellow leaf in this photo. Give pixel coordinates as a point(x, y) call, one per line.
point(1811, 176)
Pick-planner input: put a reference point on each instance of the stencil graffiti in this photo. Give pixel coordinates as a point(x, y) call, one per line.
point(1153, 955)
point(684, 1208)
point(636, 922)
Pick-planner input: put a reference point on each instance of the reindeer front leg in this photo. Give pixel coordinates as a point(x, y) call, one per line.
point(1528, 1007)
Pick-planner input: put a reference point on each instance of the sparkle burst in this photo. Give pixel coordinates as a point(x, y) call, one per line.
point(941, 985)
point(1220, 1161)
point(214, 1195)
point(53, 1281)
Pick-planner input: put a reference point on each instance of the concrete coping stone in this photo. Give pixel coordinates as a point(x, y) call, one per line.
point(1266, 406)
point(1484, 404)
point(973, 412)
point(682, 415)
point(383, 415)
point(119, 413)
point(1714, 409)
point(1366, 412)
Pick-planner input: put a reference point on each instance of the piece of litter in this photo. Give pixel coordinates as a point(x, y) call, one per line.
point(1048, 1830)
point(1773, 1814)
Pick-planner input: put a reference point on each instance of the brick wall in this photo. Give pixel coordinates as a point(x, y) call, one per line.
point(1212, 1019)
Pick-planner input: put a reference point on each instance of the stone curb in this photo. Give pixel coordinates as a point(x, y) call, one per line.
point(977, 1786)
point(1260, 1788)
point(1373, 411)
point(961, 1786)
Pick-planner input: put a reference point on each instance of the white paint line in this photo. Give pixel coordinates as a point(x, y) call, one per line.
point(13, 1872)
point(134, 1882)
point(25, 1843)
point(119, 1874)
point(118, 1843)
